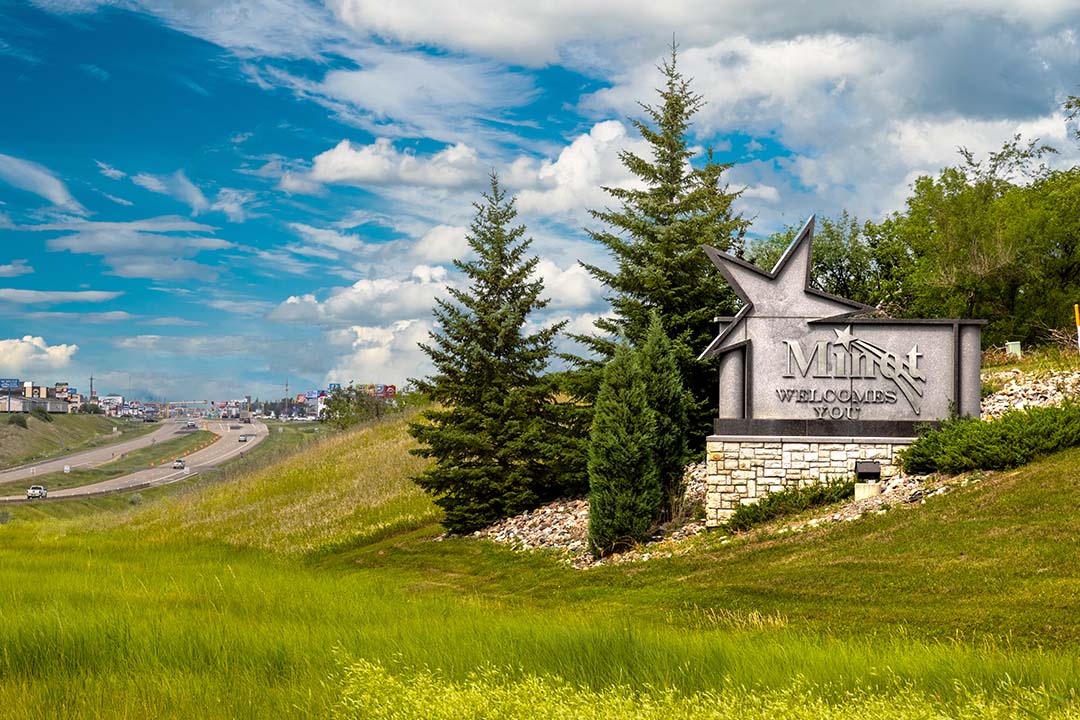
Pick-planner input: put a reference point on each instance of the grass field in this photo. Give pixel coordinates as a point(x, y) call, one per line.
point(64, 435)
point(318, 584)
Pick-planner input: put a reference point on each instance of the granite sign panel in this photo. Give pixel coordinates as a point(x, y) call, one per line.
point(798, 361)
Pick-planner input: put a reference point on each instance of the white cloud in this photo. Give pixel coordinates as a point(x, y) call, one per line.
point(247, 307)
point(161, 224)
point(109, 171)
point(399, 93)
point(327, 238)
point(601, 32)
point(32, 354)
point(233, 203)
point(299, 183)
point(574, 181)
point(39, 180)
point(15, 269)
point(176, 186)
point(572, 287)
point(381, 164)
point(381, 353)
point(118, 200)
point(366, 302)
point(53, 297)
point(94, 318)
point(193, 345)
point(132, 252)
point(443, 244)
point(171, 320)
point(151, 182)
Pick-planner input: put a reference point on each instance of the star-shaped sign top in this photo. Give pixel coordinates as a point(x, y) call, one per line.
point(783, 293)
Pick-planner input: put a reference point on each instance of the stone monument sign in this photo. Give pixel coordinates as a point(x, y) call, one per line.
point(811, 383)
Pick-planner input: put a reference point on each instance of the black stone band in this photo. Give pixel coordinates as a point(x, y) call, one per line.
point(821, 428)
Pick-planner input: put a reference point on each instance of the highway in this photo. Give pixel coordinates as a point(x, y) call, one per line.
point(227, 447)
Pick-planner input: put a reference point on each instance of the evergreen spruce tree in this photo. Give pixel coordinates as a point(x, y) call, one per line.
point(491, 429)
point(667, 398)
point(624, 480)
point(655, 237)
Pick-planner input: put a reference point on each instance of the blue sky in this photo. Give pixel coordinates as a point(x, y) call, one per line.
point(205, 199)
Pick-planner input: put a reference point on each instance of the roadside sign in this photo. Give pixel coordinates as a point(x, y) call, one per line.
point(334, 386)
point(9, 384)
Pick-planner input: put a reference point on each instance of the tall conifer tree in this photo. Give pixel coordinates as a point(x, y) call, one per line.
point(655, 237)
point(490, 431)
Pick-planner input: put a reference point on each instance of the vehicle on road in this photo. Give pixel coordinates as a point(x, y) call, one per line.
point(243, 438)
point(190, 424)
point(36, 492)
point(178, 464)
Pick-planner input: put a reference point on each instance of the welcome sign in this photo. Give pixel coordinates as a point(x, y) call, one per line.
point(799, 361)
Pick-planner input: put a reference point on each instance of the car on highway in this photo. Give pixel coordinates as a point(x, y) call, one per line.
point(36, 492)
point(178, 464)
point(243, 438)
point(190, 424)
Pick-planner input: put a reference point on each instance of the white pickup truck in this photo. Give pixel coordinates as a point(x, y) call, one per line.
point(36, 492)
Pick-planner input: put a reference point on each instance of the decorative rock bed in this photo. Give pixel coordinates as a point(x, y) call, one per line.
point(563, 526)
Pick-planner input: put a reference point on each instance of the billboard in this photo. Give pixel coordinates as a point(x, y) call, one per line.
point(10, 384)
point(334, 386)
point(311, 394)
point(73, 391)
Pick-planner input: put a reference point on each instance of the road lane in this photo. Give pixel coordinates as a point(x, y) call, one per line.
point(227, 447)
point(94, 457)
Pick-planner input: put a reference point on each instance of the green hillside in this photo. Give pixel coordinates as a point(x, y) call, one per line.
point(320, 585)
point(65, 434)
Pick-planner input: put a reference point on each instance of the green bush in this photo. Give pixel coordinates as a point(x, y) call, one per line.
point(625, 488)
point(17, 419)
point(41, 414)
point(789, 502)
point(1015, 439)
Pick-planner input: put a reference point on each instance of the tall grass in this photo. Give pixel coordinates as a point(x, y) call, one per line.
point(314, 586)
point(104, 628)
point(349, 488)
point(372, 693)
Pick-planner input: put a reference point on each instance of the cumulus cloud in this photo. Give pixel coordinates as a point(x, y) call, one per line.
point(386, 354)
point(571, 287)
point(380, 163)
point(366, 302)
point(39, 180)
point(31, 354)
point(15, 268)
point(176, 186)
point(600, 33)
point(443, 244)
point(574, 181)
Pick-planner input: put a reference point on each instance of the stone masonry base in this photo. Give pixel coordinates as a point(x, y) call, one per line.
point(743, 469)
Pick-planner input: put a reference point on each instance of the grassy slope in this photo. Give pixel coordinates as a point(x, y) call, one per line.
point(162, 609)
point(64, 435)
